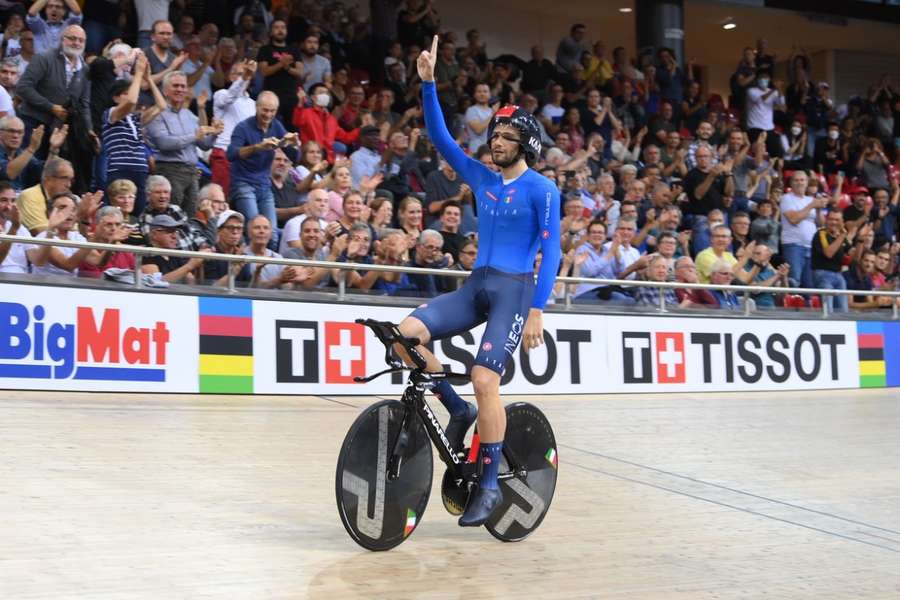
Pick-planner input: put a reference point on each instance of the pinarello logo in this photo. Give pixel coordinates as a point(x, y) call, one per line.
point(487, 346)
point(546, 234)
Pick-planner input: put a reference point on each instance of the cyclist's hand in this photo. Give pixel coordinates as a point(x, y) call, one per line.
point(533, 336)
point(426, 61)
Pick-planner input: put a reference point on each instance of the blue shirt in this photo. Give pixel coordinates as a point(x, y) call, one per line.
point(514, 217)
point(255, 168)
point(596, 266)
point(29, 176)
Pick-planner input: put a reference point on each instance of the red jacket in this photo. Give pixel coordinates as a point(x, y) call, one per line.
point(317, 124)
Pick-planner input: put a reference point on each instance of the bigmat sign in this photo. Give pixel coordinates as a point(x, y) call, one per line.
point(82, 339)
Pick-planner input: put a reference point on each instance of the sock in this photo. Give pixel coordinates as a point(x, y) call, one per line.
point(455, 405)
point(490, 464)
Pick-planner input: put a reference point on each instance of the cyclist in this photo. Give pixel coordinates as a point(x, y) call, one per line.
point(518, 210)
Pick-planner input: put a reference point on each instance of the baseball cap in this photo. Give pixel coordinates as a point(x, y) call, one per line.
point(859, 189)
point(228, 214)
point(164, 222)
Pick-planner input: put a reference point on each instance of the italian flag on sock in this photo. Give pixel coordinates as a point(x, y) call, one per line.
point(551, 457)
point(410, 522)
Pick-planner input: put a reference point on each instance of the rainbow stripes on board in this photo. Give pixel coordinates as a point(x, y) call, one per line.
point(226, 345)
point(878, 368)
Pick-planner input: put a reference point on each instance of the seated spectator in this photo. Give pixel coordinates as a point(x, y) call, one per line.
point(230, 240)
point(110, 229)
point(176, 134)
point(829, 247)
point(686, 272)
point(381, 213)
point(9, 77)
point(159, 202)
point(400, 162)
point(617, 260)
point(13, 257)
point(231, 105)
point(354, 247)
point(754, 268)
point(310, 246)
point(123, 131)
point(316, 208)
point(32, 202)
point(859, 277)
point(338, 183)
point(393, 249)
point(164, 233)
point(657, 270)
point(351, 214)
point(211, 203)
point(316, 123)
point(121, 194)
point(764, 229)
point(259, 232)
point(48, 32)
point(453, 239)
point(740, 231)
point(409, 218)
point(22, 167)
point(62, 223)
point(308, 174)
point(442, 185)
point(722, 274)
point(366, 161)
point(428, 254)
point(718, 251)
point(467, 255)
point(284, 190)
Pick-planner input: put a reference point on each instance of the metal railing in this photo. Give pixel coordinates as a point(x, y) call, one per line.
point(745, 290)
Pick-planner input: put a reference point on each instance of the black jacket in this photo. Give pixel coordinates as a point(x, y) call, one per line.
point(43, 84)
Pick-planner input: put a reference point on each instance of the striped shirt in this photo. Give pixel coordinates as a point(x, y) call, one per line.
point(124, 143)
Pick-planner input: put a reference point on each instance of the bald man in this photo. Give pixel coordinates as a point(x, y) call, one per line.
point(251, 152)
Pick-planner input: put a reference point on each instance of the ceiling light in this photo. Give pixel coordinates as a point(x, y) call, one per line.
point(625, 9)
point(729, 25)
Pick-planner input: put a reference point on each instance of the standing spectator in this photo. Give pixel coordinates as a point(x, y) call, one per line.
point(706, 187)
point(478, 117)
point(149, 13)
point(24, 58)
point(177, 133)
point(872, 165)
point(282, 67)
point(123, 130)
point(829, 247)
point(102, 23)
point(316, 69)
point(316, 123)
point(32, 203)
point(115, 64)
point(827, 156)
point(449, 80)
point(47, 32)
point(704, 133)
point(799, 215)
point(717, 252)
point(197, 68)
point(13, 257)
point(686, 272)
point(250, 153)
point(537, 73)
point(109, 229)
point(400, 162)
point(366, 162)
point(21, 167)
point(9, 77)
point(162, 60)
point(762, 101)
point(186, 28)
point(55, 90)
point(231, 106)
point(284, 190)
point(764, 229)
point(671, 78)
point(163, 232)
point(62, 223)
point(657, 270)
point(571, 47)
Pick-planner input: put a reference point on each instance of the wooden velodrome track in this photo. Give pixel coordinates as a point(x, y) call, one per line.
point(692, 496)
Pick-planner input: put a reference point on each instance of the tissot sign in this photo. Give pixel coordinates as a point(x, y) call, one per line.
point(703, 354)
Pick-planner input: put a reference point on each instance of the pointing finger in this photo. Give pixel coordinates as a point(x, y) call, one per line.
point(434, 45)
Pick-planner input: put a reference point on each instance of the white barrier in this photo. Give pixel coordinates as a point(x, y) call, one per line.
point(82, 339)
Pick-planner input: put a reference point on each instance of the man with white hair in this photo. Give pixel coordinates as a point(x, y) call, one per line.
point(176, 134)
point(231, 106)
point(19, 166)
point(428, 253)
point(55, 90)
point(115, 64)
point(251, 152)
point(159, 202)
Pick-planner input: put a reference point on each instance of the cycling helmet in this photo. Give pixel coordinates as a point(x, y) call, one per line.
point(528, 128)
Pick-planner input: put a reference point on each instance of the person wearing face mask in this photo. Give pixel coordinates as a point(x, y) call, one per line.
point(762, 101)
point(315, 122)
point(794, 144)
point(827, 156)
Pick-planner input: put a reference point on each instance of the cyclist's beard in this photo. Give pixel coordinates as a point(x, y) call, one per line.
point(503, 163)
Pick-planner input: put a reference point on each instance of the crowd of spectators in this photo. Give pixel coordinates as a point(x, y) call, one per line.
point(295, 129)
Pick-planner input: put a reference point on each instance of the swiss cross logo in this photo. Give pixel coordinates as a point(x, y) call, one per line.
point(345, 352)
point(669, 357)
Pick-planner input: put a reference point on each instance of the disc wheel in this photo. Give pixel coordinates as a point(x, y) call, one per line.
point(379, 512)
point(526, 500)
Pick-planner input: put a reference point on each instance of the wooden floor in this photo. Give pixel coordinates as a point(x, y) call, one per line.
point(671, 497)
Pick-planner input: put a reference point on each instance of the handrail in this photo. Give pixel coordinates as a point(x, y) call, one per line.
point(140, 251)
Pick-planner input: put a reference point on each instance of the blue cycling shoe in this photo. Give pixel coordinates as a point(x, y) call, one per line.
point(459, 425)
point(480, 506)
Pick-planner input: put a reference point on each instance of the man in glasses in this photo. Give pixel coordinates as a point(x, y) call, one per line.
point(20, 166)
point(56, 179)
point(518, 212)
point(47, 32)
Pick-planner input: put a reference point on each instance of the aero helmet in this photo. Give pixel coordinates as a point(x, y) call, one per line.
point(528, 128)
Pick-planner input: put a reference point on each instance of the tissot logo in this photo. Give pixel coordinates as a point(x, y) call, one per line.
point(345, 352)
point(296, 351)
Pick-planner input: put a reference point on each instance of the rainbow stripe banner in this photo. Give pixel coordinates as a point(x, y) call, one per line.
point(878, 368)
point(226, 345)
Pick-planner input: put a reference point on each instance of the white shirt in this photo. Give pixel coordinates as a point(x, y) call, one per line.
point(16, 261)
point(232, 105)
point(149, 11)
point(51, 269)
point(477, 113)
point(553, 112)
point(269, 272)
point(291, 231)
point(761, 110)
point(6, 103)
point(803, 232)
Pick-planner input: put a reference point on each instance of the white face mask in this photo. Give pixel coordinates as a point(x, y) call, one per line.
point(796, 130)
point(322, 100)
point(764, 83)
point(834, 134)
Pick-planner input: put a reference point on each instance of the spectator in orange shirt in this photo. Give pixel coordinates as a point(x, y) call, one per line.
point(315, 122)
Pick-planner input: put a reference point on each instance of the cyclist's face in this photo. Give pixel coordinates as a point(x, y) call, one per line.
point(505, 145)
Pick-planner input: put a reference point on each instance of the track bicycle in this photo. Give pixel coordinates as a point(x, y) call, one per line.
point(385, 467)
